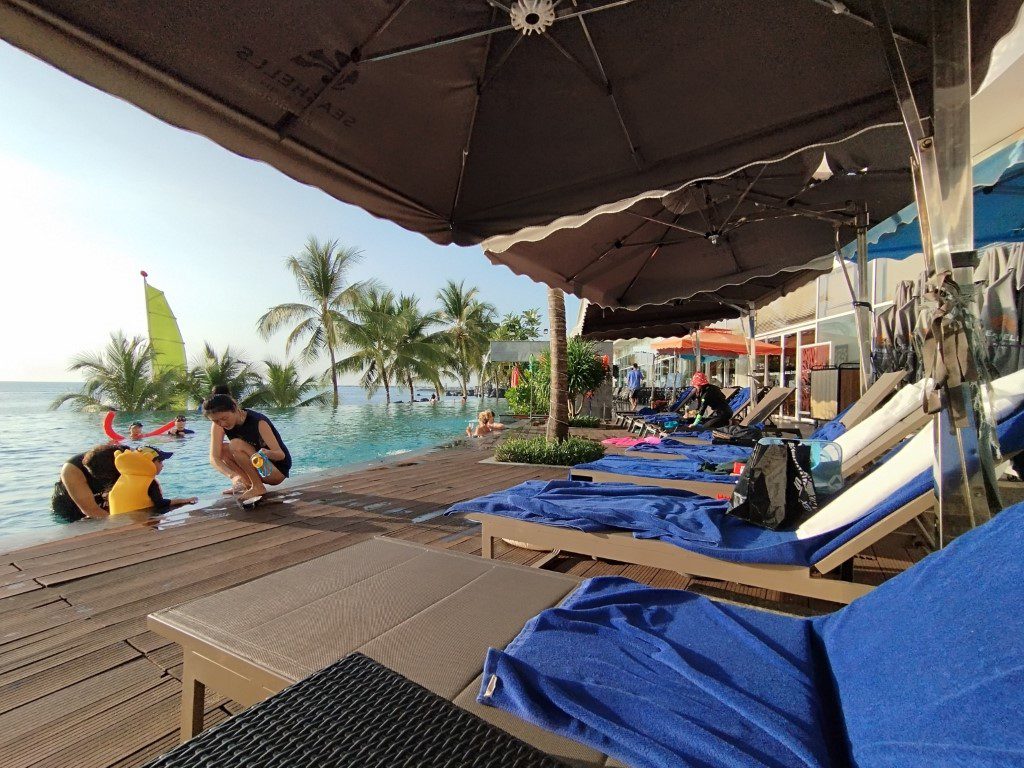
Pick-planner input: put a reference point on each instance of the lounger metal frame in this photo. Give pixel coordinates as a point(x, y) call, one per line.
point(623, 547)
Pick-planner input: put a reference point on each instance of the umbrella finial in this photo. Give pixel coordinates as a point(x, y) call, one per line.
point(532, 16)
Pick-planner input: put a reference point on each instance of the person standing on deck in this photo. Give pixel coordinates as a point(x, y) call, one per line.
point(634, 378)
point(250, 434)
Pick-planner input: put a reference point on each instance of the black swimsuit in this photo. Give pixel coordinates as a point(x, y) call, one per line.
point(249, 430)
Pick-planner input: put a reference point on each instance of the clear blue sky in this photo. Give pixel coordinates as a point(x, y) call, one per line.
point(92, 190)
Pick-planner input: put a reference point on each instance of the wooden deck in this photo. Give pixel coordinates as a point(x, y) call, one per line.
point(83, 683)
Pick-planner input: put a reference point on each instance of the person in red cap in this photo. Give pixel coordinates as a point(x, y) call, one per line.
point(712, 407)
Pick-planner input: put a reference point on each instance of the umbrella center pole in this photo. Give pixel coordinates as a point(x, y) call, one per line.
point(943, 185)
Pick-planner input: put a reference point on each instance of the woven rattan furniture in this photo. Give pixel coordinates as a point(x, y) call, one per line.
point(427, 614)
point(355, 712)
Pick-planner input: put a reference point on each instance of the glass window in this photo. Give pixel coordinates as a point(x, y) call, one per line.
point(842, 332)
point(834, 293)
point(890, 272)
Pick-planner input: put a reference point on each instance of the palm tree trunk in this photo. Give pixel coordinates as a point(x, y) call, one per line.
point(412, 390)
point(387, 388)
point(334, 375)
point(558, 403)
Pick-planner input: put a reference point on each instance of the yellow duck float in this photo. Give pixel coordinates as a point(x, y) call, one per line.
point(131, 491)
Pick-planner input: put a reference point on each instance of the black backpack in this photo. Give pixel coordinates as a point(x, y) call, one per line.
point(775, 489)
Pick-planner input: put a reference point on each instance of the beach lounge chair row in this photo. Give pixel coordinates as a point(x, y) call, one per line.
point(624, 418)
point(761, 413)
point(677, 464)
point(738, 398)
point(924, 671)
point(692, 534)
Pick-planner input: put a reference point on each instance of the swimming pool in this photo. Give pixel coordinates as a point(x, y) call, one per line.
point(35, 441)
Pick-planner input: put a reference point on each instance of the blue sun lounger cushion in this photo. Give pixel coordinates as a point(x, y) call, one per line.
point(926, 670)
point(672, 469)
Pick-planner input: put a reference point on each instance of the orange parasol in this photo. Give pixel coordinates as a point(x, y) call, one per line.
point(714, 341)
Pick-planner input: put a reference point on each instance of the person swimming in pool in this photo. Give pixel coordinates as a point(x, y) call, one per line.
point(135, 430)
point(248, 432)
point(179, 429)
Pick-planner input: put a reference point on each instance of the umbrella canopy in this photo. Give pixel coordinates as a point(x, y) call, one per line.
point(467, 119)
point(722, 231)
point(714, 341)
point(678, 317)
point(998, 210)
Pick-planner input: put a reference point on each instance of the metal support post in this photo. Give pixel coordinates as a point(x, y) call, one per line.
point(749, 325)
point(943, 187)
point(862, 304)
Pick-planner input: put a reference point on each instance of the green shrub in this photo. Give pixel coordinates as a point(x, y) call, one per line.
point(537, 450)
point(585, 421)
point(518, 399)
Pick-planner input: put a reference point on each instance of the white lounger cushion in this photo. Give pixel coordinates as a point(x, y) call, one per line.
point(915, 457)
point(900, 405)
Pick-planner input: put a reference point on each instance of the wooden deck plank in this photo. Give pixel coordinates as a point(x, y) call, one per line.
point(83, 682)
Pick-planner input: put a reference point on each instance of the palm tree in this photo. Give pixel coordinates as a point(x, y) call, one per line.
point(372, 331)
point(122, 377)
point(469, 323)
point(321, 272)
point(558, 404)
point(282, 387)
point(419, 354)
point(225, 368)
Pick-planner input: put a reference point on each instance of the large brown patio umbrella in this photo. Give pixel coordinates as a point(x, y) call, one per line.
point(679, 317)
point(463, 119)
point(716, 232)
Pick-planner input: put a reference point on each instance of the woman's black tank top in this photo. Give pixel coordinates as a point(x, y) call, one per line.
point(249, 430)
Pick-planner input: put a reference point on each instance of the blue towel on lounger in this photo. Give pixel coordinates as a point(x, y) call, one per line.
point(674, 469)
point(651, 513)
point(624, 508)
point(712, 454)
point(924, 671)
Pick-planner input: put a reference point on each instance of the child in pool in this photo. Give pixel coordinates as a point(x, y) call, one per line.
point(486, 423)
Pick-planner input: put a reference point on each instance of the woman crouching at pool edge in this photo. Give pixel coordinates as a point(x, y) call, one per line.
point(248, 432)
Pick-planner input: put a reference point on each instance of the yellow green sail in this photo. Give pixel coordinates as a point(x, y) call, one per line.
point(164, 337)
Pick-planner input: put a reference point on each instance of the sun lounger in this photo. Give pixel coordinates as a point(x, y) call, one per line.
point(636, 422)
point(925, 671)
point(756, 414)
point(624, 416)
point(427, 614)
point(356, 712)
point(884, 386)
point(738, 399)
point(656, 528)
point(871, 438)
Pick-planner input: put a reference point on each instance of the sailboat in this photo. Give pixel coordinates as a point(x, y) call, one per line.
point(164, 336)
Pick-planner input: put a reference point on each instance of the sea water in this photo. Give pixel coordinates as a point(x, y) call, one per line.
point(35, 442)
